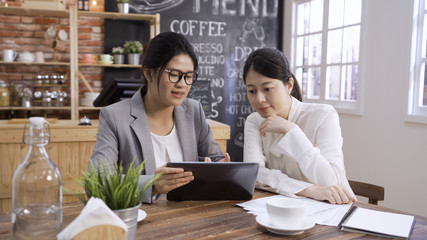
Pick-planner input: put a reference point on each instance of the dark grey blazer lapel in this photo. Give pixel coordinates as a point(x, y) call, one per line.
point(185, 127)
point(142, 131)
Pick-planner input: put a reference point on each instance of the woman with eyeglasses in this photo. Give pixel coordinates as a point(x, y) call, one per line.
point(297, 145)
point(159, 124)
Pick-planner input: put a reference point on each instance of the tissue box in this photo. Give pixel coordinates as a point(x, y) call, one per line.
point(44, 4)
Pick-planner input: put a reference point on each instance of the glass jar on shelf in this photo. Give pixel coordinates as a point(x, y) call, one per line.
point(4, 94)
point(96, 5)
point(39, 79)
point(61, 79)
point(15, 98)
point(46, 79)
point(53, 79)
point(46, 100)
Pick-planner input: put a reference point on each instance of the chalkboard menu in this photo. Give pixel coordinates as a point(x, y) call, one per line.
point(223, 33)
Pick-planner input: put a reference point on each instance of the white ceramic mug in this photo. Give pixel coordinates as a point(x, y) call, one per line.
point(286, 212)
point(106, 58)
point(39, 56)
point(9, 55)
point(26, 57)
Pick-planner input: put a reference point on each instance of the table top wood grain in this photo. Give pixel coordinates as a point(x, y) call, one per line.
point(213, 220)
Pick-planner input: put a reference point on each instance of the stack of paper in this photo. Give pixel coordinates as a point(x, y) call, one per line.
point(320, 212)
point(378, 223)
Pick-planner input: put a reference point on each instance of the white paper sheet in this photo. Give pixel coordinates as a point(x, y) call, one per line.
point(320, 212)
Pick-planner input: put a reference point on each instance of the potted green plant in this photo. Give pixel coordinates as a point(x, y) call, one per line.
point(119, 56)
point(120, 191)
point(133, 49)
point(123, 6)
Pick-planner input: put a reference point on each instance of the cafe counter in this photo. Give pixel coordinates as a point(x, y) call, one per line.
point(70, 148)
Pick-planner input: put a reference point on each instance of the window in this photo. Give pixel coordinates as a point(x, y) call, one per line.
point(327, 42)
point(417, 107)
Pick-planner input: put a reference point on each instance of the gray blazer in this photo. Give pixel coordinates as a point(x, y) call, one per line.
point(124, 135)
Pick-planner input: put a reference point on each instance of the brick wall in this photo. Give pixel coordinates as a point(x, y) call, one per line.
point(91, 40)
point(22, 33)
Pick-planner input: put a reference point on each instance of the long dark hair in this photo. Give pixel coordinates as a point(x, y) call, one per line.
point(272, 63)
point(161, 49)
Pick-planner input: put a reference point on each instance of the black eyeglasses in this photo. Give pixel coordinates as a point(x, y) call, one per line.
point(176, 76)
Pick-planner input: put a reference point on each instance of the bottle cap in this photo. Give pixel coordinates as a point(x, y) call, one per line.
point(37, 121)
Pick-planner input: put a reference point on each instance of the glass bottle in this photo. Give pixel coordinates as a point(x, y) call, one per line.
point(36, 187)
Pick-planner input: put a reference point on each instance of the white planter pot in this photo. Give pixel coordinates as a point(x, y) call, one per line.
point(123, 7)
point(133, 58)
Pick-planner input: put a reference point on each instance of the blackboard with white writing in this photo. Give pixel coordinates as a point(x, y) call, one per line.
point(223, 33)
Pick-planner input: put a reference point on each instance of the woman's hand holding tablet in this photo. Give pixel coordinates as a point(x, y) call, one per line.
point(218, 158)
point(171, 178)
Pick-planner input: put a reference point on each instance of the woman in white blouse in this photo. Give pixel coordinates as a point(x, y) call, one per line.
point(298, 145)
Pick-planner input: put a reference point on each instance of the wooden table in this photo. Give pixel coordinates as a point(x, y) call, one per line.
point(70, 149)
point(213, 220)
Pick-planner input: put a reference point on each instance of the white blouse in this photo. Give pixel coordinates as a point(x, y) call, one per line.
point(167, 148)
point(310, 153)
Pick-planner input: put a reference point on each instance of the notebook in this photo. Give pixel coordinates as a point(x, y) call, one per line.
point(216, 181)
point(378, 223)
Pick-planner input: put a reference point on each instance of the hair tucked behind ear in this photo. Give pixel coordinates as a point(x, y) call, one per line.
point(161, 49)
point(296, 90)
point(272, 63)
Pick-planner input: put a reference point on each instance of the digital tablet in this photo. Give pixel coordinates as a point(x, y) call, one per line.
point(216, 181)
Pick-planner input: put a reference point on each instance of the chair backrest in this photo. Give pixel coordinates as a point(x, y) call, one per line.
point(373, 192)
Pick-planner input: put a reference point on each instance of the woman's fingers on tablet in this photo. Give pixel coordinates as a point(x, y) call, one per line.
point(168, 182)
point(169, 170)
point(227, 158)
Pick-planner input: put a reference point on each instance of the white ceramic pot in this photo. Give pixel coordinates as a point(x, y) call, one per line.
point(26, 57)
point(123, 7)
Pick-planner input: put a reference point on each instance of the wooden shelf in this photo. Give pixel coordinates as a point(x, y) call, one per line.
point(34, 12)
point(118, 16)
point(50, 85)
point(65, 13)
point(35, 108)
point(108, 65)
point(37, 63)
point(89, 108)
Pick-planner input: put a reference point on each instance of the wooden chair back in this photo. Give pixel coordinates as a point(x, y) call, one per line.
point(374, 193)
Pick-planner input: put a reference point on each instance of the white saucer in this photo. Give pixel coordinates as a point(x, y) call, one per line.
point(264, 221)
point(141, 215)
point(106, 62)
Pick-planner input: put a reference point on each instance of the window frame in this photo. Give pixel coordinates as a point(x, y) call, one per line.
point(342, 106)
point(416, 113)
